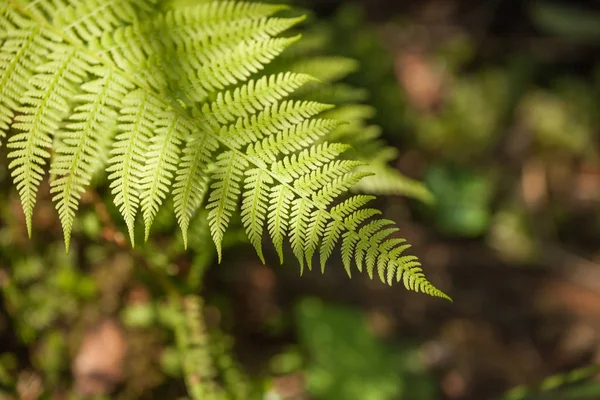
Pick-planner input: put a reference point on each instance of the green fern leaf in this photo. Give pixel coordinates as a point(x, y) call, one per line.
point(254, 206)
point(181, 88)
point(161, 163)
point(315, 231)
point(279, 206)
point(46, 103)
point(331, 237)
point(191, 183)
point(77, 154)
point(253, 97)
point(294, 138)
point(298, 228)
point(136, 123)
point(225, 194)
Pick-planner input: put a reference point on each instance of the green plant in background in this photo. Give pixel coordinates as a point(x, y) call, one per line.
point(346, 361)
point(572, 385)
point(182, 112)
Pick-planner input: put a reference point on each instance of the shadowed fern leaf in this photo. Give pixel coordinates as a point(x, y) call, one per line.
point(169, 99)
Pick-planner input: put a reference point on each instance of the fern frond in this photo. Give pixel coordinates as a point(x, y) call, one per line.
point(294, 138)
point(271, 120)
point(294, 166)
point(254, 206)
point(225, 194)
point(253, 97)
point(193, 120)
point(191, 182)
point(135, 124)
point(298, 226)
point(161, 163)
point(279, 206)
point(88, 129)
point(45, 104)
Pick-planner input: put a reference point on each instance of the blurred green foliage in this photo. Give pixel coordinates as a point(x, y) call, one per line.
point(344, 359)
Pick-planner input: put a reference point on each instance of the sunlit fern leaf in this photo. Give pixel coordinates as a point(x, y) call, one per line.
point(330, 239)
point(191, 182)
point(45, 104)
point(161, 163)
point(225, 194)
point(136, 123)
point(271, 120)
point(289, 140)
point(278, 219)
point(254, 206)
point(314, 233)
point(294, 166)
point(298, 228)
point(194, 119)
point(93, 120)
point(253, 97)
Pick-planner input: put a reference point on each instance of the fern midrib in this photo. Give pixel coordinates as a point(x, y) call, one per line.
point(227, 145)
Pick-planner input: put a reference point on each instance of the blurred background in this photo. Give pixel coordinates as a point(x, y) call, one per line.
point(493, 105)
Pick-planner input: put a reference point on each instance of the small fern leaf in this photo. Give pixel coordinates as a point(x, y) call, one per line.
point(279, 206)
point(254, 206)
point(292, 139)
point(80, 144)
point(46, 103)
point(191, 182)
point(338, 186)
point(224, 68)
point(135, 124)
point(330, 239)
point(351, 205)
point(278, 117)
point(325, 175)
point(161, 163)
point(349, 240)
point(367, 232)
point(225, 193)
point(314, 234)
point(254, 96)
point(296, 165)
point(301, 208)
